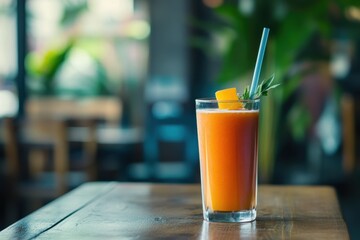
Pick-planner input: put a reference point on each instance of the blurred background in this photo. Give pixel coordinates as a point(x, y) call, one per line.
point(104, 90)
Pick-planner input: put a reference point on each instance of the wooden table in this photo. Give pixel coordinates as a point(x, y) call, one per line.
point(106, 108)
point(154, 211)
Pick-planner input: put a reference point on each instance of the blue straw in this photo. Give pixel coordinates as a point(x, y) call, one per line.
point(259, 60)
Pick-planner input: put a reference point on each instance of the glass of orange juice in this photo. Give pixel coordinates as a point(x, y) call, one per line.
point(228, 150)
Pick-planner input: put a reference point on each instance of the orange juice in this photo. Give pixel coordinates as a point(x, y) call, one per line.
point(228, 143)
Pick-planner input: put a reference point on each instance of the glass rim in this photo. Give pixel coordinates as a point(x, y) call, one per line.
point(214, 100)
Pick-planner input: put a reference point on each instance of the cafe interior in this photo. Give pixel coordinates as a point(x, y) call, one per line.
point(95, 90)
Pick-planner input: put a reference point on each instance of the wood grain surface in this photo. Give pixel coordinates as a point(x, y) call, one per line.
point(164, 211)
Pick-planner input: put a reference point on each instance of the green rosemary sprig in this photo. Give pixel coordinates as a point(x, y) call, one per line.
point(262, 89)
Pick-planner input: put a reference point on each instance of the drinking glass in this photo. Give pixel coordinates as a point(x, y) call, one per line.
point(228, 151)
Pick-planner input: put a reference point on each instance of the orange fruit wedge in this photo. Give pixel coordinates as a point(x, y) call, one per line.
point(228, 94)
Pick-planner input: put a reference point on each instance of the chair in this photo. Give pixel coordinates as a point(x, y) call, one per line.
point(38, 159)
point(170, 143)
point(170, 147)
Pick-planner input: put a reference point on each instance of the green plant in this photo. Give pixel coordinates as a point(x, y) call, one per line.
point(293, 25)
point(44, 66)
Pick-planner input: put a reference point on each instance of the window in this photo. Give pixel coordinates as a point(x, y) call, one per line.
point(8, 69)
